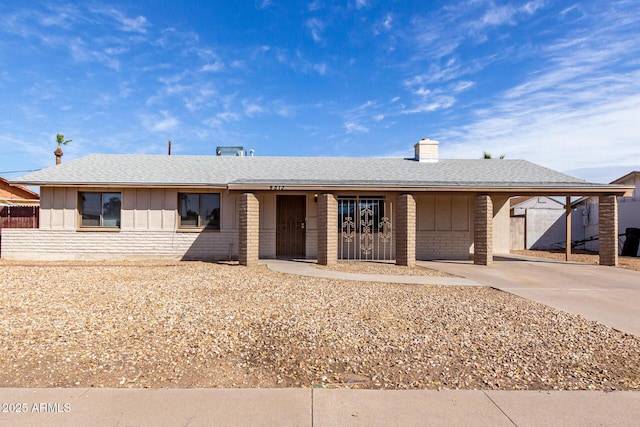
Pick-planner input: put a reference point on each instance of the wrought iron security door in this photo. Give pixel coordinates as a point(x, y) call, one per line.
point(365, 230)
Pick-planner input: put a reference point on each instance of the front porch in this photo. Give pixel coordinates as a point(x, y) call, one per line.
point(486, 208)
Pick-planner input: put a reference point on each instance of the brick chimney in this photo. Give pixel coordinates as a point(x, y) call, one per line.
point(58, 154)
point(426, 150)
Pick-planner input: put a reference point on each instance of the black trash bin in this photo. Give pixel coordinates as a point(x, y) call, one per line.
point(631, 242)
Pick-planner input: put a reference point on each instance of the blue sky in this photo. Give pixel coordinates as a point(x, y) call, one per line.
point(556, 83)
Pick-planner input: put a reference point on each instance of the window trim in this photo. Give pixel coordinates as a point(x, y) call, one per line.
point(198, 228)
point(111, 228)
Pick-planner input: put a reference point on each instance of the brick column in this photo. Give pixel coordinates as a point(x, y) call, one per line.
point(406, 230)
point(249, 230)
point(608, 219)
point(483, 230)
point(327, 229)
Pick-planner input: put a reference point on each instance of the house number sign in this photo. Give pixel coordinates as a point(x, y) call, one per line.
point(276, 187)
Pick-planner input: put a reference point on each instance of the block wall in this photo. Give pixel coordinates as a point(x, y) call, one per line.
point(44, 244)
point(443, 226)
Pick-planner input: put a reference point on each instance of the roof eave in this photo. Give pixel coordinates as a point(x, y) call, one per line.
point(524, 190)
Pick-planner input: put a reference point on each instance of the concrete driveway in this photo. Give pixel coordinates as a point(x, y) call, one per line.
point(608, 295)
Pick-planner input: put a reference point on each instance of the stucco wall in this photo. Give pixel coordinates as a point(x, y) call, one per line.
point(501, 225)
point(546, 229)
point(517, 232)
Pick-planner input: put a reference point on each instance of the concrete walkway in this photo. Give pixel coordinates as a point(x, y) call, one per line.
point(314, 407)
point(306, 268)
point(608, 295)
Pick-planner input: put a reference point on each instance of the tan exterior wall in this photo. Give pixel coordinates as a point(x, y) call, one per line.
point(311, 227)
point(267, 225)
point(517, 232)
point(148, 229)
point(444, 226)
point(501, 225)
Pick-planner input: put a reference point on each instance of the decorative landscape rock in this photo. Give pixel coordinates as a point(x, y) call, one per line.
point(165, 324)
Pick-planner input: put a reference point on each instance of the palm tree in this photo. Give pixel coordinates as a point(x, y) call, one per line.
point(60, 140)
point(488, 156)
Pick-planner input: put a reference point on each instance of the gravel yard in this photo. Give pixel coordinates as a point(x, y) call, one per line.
point(179, 324)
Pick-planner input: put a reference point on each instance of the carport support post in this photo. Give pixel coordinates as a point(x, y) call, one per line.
point(249, 230)
point(567, 255)
point(327, 229)
point(406, 230)
point(608, 219)
point(483, 230)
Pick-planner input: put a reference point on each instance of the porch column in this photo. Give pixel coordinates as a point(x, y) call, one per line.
point(327, 229)
point(608, 219)
point(406, 230)
point(249, 229)
point(567, 253)
point(483, 230)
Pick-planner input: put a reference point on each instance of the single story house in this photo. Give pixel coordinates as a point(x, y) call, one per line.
point(586, 229)
point(246, 207)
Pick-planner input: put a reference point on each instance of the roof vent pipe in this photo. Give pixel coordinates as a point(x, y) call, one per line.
point(426, 150)
point(251, 152)
point(169, 147)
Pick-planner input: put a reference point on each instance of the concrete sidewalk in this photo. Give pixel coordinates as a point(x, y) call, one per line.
point(314, 407)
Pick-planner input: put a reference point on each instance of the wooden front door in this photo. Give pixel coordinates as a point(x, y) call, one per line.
point(290, 228)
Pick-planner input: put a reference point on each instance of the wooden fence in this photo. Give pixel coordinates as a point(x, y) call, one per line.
point(19, 216)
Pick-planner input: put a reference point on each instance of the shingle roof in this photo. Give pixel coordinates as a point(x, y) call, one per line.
point(157, 170)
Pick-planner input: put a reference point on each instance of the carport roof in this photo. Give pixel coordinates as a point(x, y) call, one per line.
point(256, 173)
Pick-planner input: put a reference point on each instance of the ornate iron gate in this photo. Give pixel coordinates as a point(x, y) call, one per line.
point(365, 230)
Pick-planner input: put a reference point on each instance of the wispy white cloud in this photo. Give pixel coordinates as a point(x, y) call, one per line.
point(315, 5)
point(172, 38)
point(320, 68)
point(139, 24)
point(164, 122)
point(214, 67)
point(360, 4)
point(461, 86)
point(263, 4)
point(315, 27)
point(252, 108)
point(82, 53)
point(577, 109)
point(388, 21)
point(352, 127)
